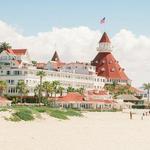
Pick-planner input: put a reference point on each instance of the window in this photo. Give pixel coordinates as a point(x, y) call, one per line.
point(8, 72)
point(12, 81)
point(17, 72)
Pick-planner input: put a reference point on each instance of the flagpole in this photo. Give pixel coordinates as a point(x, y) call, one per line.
point(102, 22)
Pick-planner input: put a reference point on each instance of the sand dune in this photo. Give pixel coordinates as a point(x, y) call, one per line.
point(94, 131)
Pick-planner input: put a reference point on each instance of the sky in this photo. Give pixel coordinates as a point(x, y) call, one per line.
point(73, 28)
point(33, 16)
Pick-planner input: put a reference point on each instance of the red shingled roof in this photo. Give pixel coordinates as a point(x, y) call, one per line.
point(40, 65)
point(108, 67)
point(72, 96)
point(10, 51)
point(104, 38)
point(76, 97)
point(56, 62)
point(19, 51)
point(93, 92)
point(106, 64)
point(55, 57)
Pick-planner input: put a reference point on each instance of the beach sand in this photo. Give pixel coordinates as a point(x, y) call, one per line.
point(94, 131)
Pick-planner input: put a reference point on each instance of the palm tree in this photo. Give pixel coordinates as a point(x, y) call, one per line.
point(70, 89)
point(36, 92)
point(3, 86)
point(80, 90)
point(4, 46)
point(41, 74)
point(55, 84)
point(22, 89)
point(147, 87)
point(60, 90)
point(48, 88)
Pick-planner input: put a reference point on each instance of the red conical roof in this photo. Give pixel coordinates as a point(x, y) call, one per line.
point(104, 38)
point(55, 57)
point(106, 64)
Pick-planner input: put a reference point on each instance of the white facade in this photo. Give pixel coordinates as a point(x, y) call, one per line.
point(84, 75)
point(104, 47)
point(12, 76)
point(78, 67)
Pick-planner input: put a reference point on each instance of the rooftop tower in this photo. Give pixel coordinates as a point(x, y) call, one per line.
point(106, 64)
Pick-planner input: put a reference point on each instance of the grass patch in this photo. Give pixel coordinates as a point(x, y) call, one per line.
point(64, 114)
point(58, 114)
point(73, 113)
point(40, 109)
point(3, 109)
point(28, 113)
point(23, 114)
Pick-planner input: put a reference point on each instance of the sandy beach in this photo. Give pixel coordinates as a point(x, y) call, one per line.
point(106, 131)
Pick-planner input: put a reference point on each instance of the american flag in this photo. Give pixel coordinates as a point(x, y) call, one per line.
point(102, 21)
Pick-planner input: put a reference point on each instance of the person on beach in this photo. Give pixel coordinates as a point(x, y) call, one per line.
point(143, 114)
point(130, 115)
point(142, 117)
point(146, 113)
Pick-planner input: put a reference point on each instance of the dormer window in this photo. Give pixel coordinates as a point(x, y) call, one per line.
point(113, 69)
point(110, 62)
point(102, 69)
point(103, 61)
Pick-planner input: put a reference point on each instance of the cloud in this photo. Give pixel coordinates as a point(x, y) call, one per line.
point(79, 44)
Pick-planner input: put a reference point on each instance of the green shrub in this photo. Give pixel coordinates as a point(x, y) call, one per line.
point(49, 103)
point(23, 114)
point(73, 113)
point(28, 113)
point(3, 109)
point(58, 114)
point(40, 109)
point(30, 99)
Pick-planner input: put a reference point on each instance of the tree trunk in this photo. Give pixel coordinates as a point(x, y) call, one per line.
point(21, 98)
point(55, 95)
point(40, 90)
point(1, 92)
point(148, 94)
point(61, 93)
point(51, 94)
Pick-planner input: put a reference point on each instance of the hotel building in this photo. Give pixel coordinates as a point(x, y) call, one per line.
point(16, 64)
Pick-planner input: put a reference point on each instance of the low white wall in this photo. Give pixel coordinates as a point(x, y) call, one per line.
point(136, 111)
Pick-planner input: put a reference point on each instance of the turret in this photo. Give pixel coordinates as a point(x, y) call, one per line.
point(104, 44)
point(55, 57)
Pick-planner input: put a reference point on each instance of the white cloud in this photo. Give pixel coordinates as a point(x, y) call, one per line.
point(79, 44)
